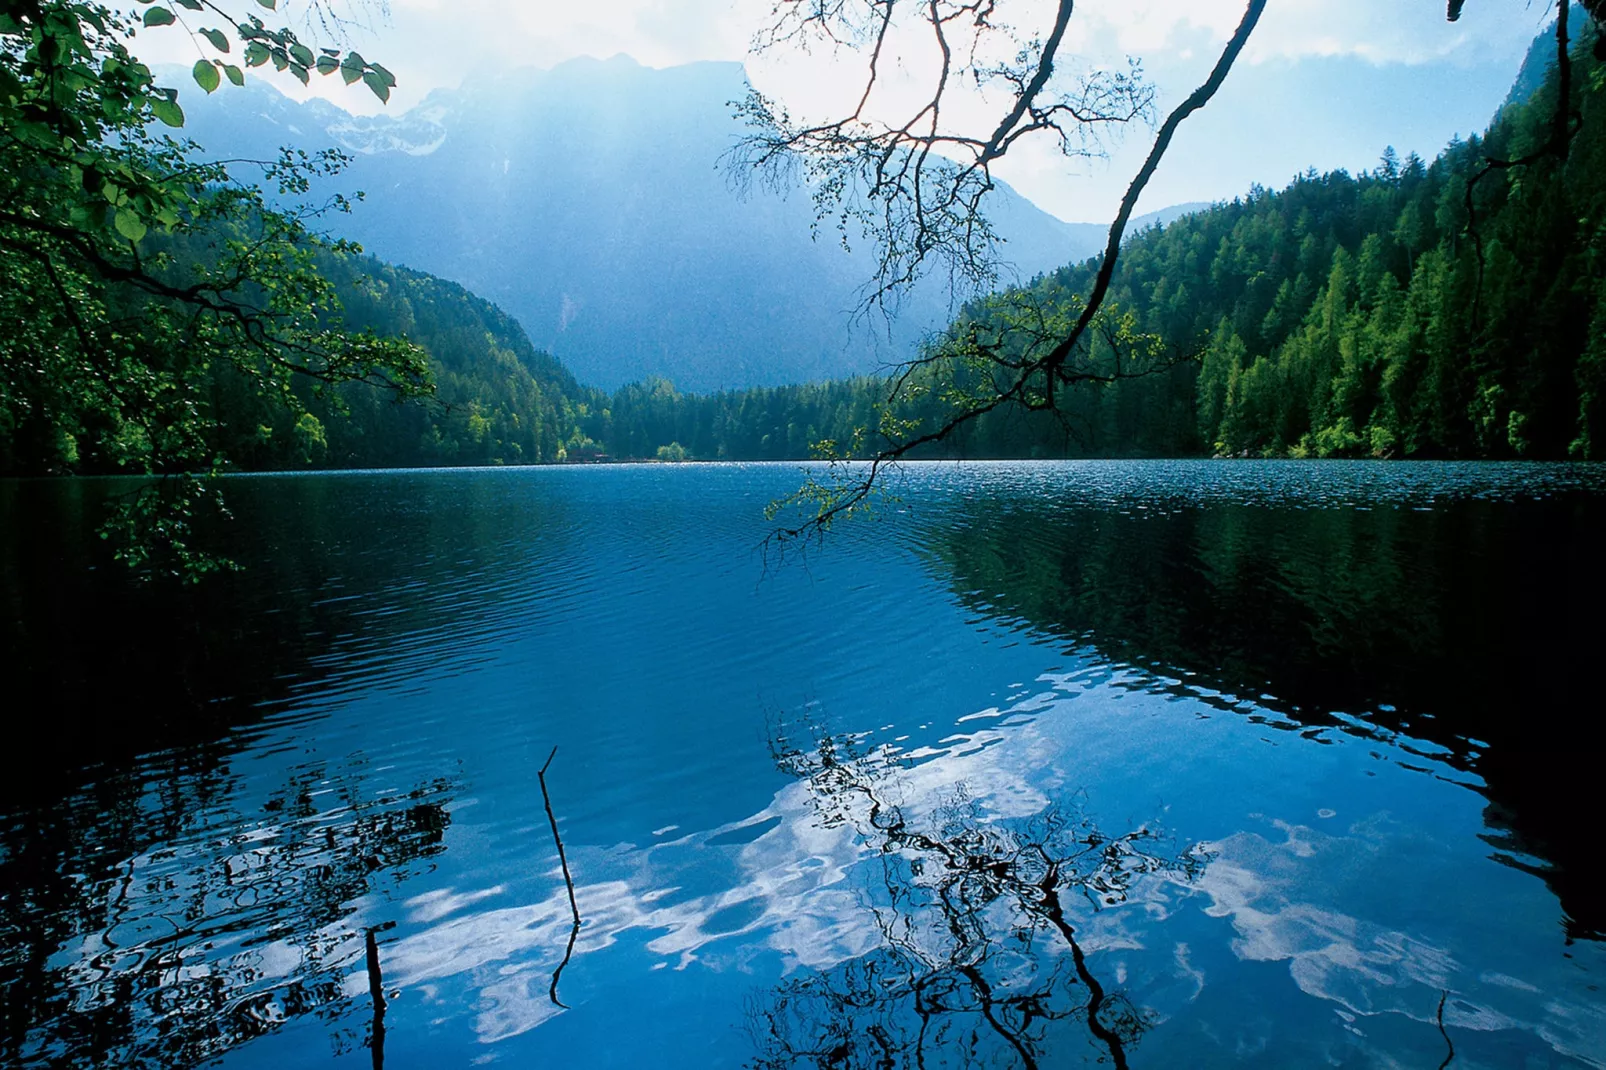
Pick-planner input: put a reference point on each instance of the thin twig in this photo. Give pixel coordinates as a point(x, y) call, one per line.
point(1444, 995)
point(568, 881)
point(1053, 366)
point(376, 990)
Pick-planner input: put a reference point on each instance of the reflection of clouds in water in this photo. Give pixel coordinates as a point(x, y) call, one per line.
point(437, 904)
point(508, 953)
point(792, 890)
point(791, 885)
point(1277, 895)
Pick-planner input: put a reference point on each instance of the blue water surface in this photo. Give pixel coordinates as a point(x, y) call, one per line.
point(1289, 735)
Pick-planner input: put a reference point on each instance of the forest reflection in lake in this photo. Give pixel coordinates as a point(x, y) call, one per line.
point(1133, 762)
point(1470, 616)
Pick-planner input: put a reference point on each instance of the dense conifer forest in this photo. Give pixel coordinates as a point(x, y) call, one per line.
point(1344, 315)
point(497, 400)
point(1450, 308)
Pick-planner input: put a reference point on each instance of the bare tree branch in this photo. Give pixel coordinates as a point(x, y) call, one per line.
point(1032, 359)
point(568, 881)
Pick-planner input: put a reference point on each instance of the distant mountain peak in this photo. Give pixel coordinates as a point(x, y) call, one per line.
point(1541, 56)
point(587, 200)
point(417, 132)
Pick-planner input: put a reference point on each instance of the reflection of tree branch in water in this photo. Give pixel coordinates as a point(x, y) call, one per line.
point(1448, 1043)
point(376, 993)
point(973, 930)
point(1054, 911)
point(568, 881)
point(220, 939)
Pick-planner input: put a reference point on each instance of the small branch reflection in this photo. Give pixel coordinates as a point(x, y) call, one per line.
point(376, 993)
point(979, 962)
point(1449, 1056)
point(568, 882)
point(197, 949)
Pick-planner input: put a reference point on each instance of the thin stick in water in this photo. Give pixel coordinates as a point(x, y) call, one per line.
point(376, 990)
point(1448, 1059)
point(568, 881)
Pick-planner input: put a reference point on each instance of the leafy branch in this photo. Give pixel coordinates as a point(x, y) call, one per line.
point(138, 270)
point(926, 206)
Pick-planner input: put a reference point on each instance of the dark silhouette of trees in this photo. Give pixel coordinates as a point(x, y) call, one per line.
point(978, 952)
point(176, 972)
point(135, 266)
point(916, 186)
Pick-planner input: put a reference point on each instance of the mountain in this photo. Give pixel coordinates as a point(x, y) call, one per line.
point(1344, 315)
point(1541, 57)
point(1163, 218)
point(498, 399)
point(589, 202)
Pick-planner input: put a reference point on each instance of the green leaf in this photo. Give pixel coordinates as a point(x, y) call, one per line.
point(327, 64)
point(219, 40)
point(159, 16)
point(128, 224)
point(193, 5)
point(302, 54)
point(236, 75)
point(300, 72)
point(256, 54)
point(373, 81)
point(205, 74)
point(351, 67)
point(390, 79)
point(271, 5)
point(168, 111)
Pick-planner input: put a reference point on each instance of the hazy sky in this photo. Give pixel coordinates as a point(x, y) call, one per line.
point(1324, 83)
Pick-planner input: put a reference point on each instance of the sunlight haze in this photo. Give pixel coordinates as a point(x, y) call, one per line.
point(1324, 85)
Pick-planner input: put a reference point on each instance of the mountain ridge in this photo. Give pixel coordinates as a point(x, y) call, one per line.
point(587, 200)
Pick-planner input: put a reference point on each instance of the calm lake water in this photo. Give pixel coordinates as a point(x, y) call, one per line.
point(1141, 764)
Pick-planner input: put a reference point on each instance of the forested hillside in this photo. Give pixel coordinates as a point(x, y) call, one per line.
point(1394, 313)
point(591, 203)
point(498, 399)
point(1344, 315)
point(763, 424)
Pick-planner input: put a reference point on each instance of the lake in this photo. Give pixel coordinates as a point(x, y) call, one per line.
point(1135, 763)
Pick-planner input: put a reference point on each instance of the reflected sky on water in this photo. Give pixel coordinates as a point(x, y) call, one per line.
point(1144, 763)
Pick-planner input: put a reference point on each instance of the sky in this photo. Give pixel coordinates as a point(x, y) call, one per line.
point(1323, 83)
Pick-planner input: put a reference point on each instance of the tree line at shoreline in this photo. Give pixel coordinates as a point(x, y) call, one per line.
point(1342, 316)
point(1453, 308)
point(1387, 314)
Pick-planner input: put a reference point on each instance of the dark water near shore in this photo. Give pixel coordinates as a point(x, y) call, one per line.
point(1142, 764)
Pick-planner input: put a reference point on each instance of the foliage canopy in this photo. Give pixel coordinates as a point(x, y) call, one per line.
point(135, 266)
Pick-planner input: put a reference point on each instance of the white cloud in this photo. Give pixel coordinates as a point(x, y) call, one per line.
point(1279, 898)
point(1382, 31)
point(434, 43)
point(1271, 120)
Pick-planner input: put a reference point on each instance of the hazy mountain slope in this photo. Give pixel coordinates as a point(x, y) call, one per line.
point(1541, 57)
point(498, 399)
point(589, 202)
